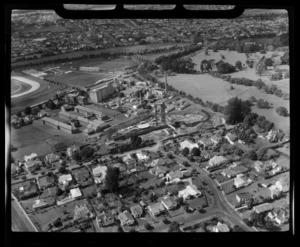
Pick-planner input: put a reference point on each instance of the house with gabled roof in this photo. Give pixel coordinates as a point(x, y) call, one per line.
point(174, 176)
point(156, 209)
point(263, 208)
point(243, 197)
point(126, 218)
point(105, 219)
point(136, 211)
point(169, 202)
point(221, 228)
point(279, 215)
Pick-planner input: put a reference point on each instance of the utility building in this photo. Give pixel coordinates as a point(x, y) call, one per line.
point(101, 93)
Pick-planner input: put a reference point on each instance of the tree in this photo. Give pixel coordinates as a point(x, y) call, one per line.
point(262, 104)
point(87, 152)
point(285, 59)
point(236, 110)
point(62, 169)
point(215, 107)
point(282, 111)
point(260, 66)
point(27, 110)
point(185, 151)
point(148, 226)
point(238, 152)
point(121, 94)
point(268, 62)
point(19, 114)
point(59, 191)
point(50, 104)
point(237, 228)
point(174, 227)
point(252, 99)
point(238, 64)
point(135, 141)
point(77, 156)
point(251, 154)
point(196, 151)
point(112, 179)
point(261, 153)
point(170, 156)
point(225, 68)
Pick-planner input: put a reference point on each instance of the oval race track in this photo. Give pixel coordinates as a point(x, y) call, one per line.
point(34, 85)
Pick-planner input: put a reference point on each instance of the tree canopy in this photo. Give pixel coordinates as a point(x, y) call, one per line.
point(174, 227)
point(87, 152)
point(225, 68)
point(112, 179)
point(236, 110)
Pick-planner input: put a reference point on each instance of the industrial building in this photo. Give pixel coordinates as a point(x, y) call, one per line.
point(88, 112)
point(101, 93)
point(59, 125)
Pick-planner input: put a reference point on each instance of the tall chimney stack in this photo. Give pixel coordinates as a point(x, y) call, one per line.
point(166, 83)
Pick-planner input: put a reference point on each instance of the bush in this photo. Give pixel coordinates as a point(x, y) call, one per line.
point(185, 151)
point(262, 104)
point(27, 110)
point(87, 152)
point(269, 62)
point(276, 77)
point(282, 111)
point(225, 68)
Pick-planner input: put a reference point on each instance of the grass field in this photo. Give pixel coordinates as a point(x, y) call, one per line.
point(78, 78)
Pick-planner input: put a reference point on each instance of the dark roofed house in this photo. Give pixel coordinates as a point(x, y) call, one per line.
point(169, 202)
point(136, 211)
point(105, 219)
point(279, 215)
point(243, 197)
point(46, 181)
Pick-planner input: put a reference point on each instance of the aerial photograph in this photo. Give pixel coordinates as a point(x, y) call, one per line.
point(149, 125)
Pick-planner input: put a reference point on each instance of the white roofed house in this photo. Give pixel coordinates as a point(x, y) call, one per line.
point(30, 157)
point(126, 218)
point(52, 157)
point(221, 227)
point(258, 165)
point(217, 160)
point(206, 142)
point(279, 215)
point(99, 174)
point(156, 209)
point(136, 211)
point(216, 139)
point(174, 176)
point(142, 156)
point(30, 165)
point(241, 181)
point(263, 208)
point(65, 179)
point(188, 144)
point(231, 138)
point(169, 202)
point(188, 192)
point(74, 193)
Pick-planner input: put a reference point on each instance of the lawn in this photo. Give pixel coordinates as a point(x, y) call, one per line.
point(110, 65)
point(227, 187)
point(153, 182)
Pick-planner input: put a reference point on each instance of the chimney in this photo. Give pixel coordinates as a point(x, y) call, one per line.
point(166, 83)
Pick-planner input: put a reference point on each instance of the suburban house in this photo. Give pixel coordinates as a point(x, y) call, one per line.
point(46, 182)
point(229, 173)
point(263, 208)
point(231, 138)
point(276, 170)
point(169, 202)
point(156, 208)
point(240, 181)
point(258, 165)
point(30, 165)
point(52, 157)
point(75, 193)
point(174, 176)
point(188, 192)
point(206, 142)
point(283, 185)
point(126, 218)
point(279, 215)
point(216, 139)
point(81, 211)
point(99, 173)
point(241, 141)
point(188, 144)
point(64, 179)
point(221, 228)
point(30, 157)
point(142, 156)
point(159, 171)
point(206, 154)
point(136, 211)
point(142, 204)
point(217, 160)
point(243, 197)
point(236, 163)
point(161, 162)
point(105, 219)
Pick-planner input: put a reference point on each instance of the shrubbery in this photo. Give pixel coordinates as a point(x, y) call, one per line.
point(282, 111)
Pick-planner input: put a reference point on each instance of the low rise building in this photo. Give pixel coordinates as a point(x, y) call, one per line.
point(243, 197)
point(188, 144)
point(189, 192)
point(279, 215)
point(263, 208)
point(169, 202)
point(217, 160)
point(126, 218)
point(136, 211)
point(99, 174)
point(156, 209)
point(221, 228)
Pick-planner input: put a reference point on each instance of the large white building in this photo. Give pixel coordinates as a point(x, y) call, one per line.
point(217, 160)
point(101, 93)
point(188, 144)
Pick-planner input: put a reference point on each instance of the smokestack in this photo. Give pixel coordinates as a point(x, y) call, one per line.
point(166, 83)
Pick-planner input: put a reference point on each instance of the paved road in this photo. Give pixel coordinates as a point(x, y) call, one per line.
point(19, 220)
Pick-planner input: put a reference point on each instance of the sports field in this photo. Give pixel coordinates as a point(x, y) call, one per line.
point(109, 65)
point(22, 86)
point(78, 78)
point(18, 87)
